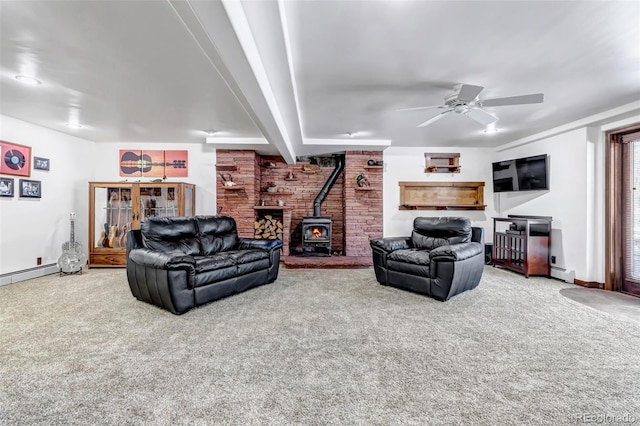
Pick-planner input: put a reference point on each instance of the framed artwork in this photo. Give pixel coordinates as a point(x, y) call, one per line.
point(6, 187)
point(153, 163)
point(15, 159)
point(40, 163)
point(30, 188)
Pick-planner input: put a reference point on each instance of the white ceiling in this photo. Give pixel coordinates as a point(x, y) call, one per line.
point(295, 76)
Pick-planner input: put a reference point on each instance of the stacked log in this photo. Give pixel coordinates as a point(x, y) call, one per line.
point(268, 227)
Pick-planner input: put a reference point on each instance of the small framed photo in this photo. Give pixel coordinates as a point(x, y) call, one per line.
point(6, 187)
point(30, 188)
point(40, 163)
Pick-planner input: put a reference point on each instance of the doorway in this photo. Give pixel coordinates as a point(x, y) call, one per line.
point(623, 211)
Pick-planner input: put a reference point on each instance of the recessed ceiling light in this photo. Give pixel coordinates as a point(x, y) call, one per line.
point(28, 80)
point(491, 128)
point(211, 132)
point(74, 125)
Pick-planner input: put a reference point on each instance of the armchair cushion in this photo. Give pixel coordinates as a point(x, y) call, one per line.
point(431, 232)
point(456, 252)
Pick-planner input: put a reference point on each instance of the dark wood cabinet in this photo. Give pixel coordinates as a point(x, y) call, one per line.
point(522, 243)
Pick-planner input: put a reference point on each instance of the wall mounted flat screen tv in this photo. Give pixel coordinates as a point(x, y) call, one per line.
point(522, 174)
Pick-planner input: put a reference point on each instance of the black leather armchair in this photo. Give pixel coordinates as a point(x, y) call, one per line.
point(444, 256)
point(178, 263)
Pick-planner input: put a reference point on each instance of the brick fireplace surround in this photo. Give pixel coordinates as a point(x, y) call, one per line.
point(356, 212)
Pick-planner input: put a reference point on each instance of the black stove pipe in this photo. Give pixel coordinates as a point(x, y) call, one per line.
point(328, 184)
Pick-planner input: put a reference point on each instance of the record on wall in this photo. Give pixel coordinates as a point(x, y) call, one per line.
point(15, 159)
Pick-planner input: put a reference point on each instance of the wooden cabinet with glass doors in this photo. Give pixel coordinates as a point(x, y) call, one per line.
point(116, 207)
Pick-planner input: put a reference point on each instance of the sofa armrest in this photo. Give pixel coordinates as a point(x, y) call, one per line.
point(390, 244)
point(162, 260)
point(455, 252)
point(264, 244)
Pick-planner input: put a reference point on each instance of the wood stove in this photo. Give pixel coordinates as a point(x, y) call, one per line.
point(316, 235)
point(316, 229)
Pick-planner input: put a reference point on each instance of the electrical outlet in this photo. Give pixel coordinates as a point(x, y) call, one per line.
point(38, 261)
point(553, 259)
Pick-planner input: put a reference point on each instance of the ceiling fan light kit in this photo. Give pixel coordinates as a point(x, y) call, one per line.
point(465, 101)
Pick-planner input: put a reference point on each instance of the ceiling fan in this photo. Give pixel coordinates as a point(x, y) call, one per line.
point(465, 101)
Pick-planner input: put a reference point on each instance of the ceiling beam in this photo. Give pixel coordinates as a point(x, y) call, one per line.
point(223, 33)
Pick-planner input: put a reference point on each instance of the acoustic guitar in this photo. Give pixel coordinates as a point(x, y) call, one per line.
point(72, 258)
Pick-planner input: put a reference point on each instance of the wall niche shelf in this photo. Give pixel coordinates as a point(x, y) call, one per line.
point(442, 196)
point(278, 193)
point(226, 167)
point(442, 162)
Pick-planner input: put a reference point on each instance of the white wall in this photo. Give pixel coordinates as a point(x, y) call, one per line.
point(408, 164)
point(569, 199)
point(31, 228)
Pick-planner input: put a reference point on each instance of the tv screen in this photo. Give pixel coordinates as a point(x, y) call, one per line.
point(522, 174)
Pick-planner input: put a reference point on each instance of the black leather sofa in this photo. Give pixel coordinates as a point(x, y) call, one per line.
point(444, 256)
point(178, 263)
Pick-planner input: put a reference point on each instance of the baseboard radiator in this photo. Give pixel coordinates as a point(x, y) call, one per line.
point(27, 274)
point(563, 274)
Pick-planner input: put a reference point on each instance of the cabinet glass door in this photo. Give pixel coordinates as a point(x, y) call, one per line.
point(158, 201)
point(112, 216)
point(188, 200)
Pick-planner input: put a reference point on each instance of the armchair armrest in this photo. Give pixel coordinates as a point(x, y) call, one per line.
point(162, 260)
point(390, 244)
point(455, 252)
point(264, 244)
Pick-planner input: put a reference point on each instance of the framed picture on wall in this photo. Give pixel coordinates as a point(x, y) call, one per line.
point(15, 159)
point(6, 187)
point(40, 163)
point(30, 188)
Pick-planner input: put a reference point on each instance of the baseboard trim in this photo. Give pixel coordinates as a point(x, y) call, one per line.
point(588, 284)
point(27, 274)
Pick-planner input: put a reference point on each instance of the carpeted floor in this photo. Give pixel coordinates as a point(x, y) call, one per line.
point(315, 347)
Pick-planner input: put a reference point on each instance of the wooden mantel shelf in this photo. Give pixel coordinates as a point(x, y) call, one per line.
point(442, 196)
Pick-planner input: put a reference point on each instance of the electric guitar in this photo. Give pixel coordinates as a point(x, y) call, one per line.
point(72, 258)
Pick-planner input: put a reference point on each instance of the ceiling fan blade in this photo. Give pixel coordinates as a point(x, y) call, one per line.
point(422, 107)
point(480, 116)
point(436, 118)
point(468, 92)
point(535, 98)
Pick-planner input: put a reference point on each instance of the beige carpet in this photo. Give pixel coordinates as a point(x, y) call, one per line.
point(315, 347)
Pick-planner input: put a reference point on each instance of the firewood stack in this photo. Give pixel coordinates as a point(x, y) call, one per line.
point(268, 227)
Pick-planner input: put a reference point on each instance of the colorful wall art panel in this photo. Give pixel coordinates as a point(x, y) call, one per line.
point(153, 163)
point(15, 159)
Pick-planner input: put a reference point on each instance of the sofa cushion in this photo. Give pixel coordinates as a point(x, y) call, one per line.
point(170, 234)
point(217, 233)
point(431, 232)
point(213, 262)
point(250, 260)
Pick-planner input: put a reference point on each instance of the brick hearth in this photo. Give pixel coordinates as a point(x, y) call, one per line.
point(356, 212)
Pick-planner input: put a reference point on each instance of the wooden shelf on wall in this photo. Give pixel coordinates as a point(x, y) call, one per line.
point(442, 162)
point(442, 196)
point(373, 167)
point(364, 188)
point(233, 188)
